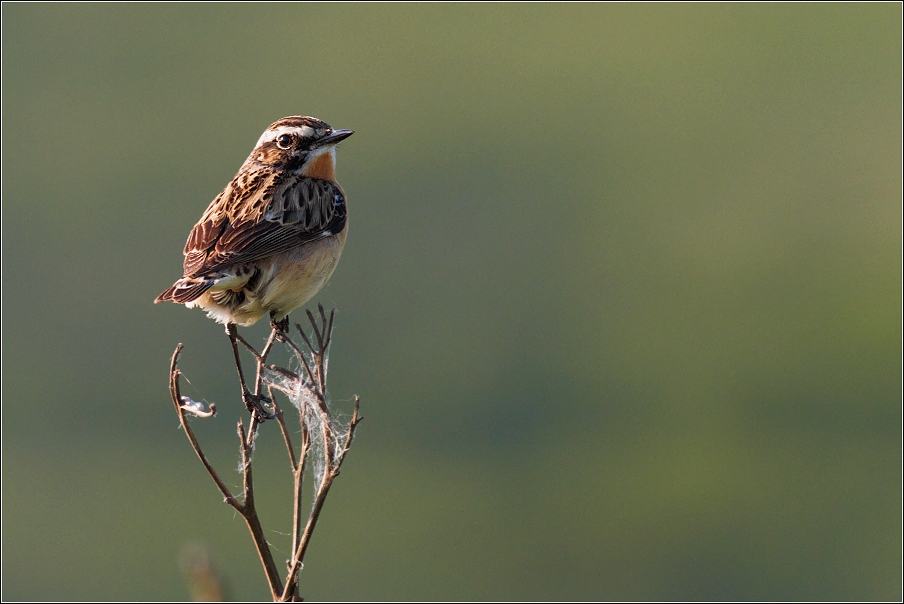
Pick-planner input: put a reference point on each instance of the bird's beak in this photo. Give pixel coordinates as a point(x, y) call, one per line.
point(334, 137)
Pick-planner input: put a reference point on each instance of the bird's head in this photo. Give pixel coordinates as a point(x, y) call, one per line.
point(300, 144)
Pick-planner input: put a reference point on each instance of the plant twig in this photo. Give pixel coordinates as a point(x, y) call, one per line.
point(333, 457)
point(308, 393)
point(281, 420)
point(176, 395)
point(246, 510)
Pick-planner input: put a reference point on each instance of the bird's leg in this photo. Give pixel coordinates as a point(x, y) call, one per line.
point(253, 402)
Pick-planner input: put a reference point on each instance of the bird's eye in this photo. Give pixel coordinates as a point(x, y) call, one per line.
point(284, 141)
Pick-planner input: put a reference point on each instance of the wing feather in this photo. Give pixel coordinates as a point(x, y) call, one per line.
point(299, 211)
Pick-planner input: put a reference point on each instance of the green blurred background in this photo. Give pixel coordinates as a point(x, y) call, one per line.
point(621, 296)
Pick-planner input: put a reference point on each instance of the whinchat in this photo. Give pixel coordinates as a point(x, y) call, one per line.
point(271, 239)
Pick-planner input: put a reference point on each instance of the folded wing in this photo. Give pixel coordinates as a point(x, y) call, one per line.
point(298, 211)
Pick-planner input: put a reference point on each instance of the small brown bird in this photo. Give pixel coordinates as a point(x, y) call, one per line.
point(270, 241)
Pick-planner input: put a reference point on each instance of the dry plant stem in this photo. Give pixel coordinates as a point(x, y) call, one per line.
point(281, 420)
point(261, 359)
point(329, 474)
point(298, 475)
point(252, 401)
point(176, 395)
point(233, 337)
point(323, 343)
point(246, 510)
point(332, 459)
point(312, 408)
point(301, 357)
point(252, 520)
point(297, 467)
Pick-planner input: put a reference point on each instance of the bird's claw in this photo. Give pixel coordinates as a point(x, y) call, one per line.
point(281, 327)
point(256, 404)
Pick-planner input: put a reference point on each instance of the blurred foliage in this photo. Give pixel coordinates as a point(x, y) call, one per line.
point(621, 296)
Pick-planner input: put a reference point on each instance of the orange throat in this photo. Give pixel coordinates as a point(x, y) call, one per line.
point(322, 166)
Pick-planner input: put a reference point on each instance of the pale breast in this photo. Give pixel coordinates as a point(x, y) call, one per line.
point(297, 275)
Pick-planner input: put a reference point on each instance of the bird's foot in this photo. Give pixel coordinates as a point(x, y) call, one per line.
point(281, 327)
point(257, 405)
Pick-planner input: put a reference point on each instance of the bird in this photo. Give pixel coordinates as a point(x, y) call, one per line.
point(272, 238)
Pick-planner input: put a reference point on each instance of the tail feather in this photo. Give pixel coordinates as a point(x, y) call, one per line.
point(187, 289)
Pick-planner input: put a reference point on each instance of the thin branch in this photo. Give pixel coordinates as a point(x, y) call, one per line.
point(356, 419)
point(245, 509)
point(304, 336)
point(176, 395)
point(327, 338)
point(282, 371)
point(309, 396)
point(316, 332)
point(299, 484)
point(261, 359)
point(329, 474)
point(280, 419)
point(329, 329)
point(251, 517)
point(300, 354)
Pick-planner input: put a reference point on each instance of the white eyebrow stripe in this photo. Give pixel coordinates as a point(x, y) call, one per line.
point(272, 135)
